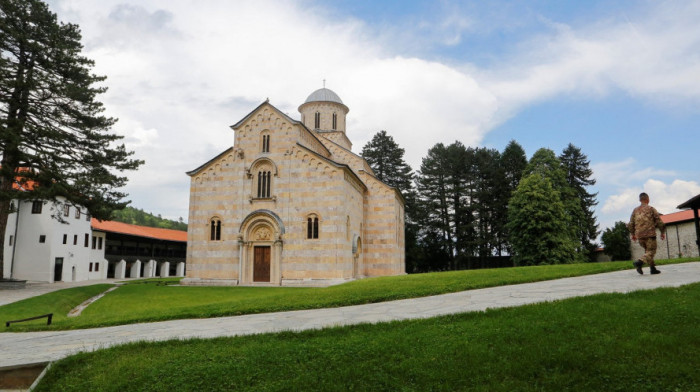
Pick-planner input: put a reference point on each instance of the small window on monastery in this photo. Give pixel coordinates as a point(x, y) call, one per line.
point(75, 239)
point(36, 207)
point(66, 210)
point(77, 213)
point(264, 180)
point(94, 242)
point(215, 229)
point(312, 227)
point(99, 242)
point(97, 267)
point(335, 121)
point(42, 239)
point(87, 240)
point(266, 143)
point(90, 267)
point(317, 120)
point(12, 240)
point(65, 239)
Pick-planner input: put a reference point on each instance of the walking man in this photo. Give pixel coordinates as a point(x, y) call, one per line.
point(643, 224)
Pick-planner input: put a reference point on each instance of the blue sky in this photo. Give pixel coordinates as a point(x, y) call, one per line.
point(618, 79)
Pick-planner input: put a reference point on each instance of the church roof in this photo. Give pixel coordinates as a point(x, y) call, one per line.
point(324, 95)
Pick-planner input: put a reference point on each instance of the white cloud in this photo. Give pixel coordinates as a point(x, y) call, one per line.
point(180, 73)
point(625, 172)
point(664, 196)
point(652, 55)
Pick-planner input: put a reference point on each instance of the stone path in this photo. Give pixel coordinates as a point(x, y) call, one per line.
point(34, 347)
point(38, 288)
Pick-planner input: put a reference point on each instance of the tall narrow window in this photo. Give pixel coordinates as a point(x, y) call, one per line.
point(87, 240)
point(215, 230)
point(264, 179)
point(317, 120)
point(65, 239)
point(312, 227)
point(266, 143)
point(77, 213)
point(36, 207)
point(75, 239)
point(66, 210)
point(99, 242)
point(94, 242)
point(335, 121)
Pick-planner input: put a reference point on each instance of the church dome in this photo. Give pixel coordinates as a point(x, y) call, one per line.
point(324, 95)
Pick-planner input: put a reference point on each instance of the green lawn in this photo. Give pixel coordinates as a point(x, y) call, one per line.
point(643, 341)
point(142, 301)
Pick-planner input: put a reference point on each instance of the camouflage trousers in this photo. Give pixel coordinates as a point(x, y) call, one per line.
point(649, 245)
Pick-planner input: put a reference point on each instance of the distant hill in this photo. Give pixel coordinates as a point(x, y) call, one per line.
point(139, 217)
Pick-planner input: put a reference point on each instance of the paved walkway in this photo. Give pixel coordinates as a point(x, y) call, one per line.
point(34, 289)
point(33, 347)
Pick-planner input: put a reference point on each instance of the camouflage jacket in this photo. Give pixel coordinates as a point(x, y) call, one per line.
point(644, 222)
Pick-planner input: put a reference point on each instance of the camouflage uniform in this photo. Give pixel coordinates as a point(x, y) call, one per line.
point(643, 224)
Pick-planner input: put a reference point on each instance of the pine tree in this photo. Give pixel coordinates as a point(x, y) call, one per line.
point(385, 157)
point(616, 241)
point(579, 177)
point(52, 131)
point(434, 184)
point(512, 164)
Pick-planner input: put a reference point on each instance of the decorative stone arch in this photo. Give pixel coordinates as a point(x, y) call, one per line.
point(313, 218)
point(215, 227)
point(357, 257)
point(261, 240)
point(260, 174)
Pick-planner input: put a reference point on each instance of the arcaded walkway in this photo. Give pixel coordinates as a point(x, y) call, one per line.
point(34, 347)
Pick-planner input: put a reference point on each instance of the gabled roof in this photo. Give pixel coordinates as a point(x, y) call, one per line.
point(197, 170)
point(677, 217)
point(281, 113)
point(139, 231)
point(336, 164)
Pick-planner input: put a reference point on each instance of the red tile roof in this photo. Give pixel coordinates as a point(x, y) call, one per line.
point(680, 216)
point(139, 231)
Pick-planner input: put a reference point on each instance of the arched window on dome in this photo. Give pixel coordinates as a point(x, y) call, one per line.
point(312, 226)
point(215, 229)
point(335, 121)
point(317, 120)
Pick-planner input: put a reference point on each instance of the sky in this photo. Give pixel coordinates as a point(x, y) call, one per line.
point(618, 79)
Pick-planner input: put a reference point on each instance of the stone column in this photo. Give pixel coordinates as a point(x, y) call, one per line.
point(165, 269)
point(120, 270)
point(136, 269)
point(180, 269)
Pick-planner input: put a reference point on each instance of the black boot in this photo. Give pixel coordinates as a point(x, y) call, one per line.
point(638, 264)
point(654, 271)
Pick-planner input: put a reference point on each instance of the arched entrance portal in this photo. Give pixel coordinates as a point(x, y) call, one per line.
point(261, 248)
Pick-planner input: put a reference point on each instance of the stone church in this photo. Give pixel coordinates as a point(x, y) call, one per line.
point(291, 204)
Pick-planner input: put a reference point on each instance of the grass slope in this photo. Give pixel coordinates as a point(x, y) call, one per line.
point(643, 341)
point(144, 302)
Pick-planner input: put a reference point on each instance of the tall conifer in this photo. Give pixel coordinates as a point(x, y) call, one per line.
point(52, 130)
